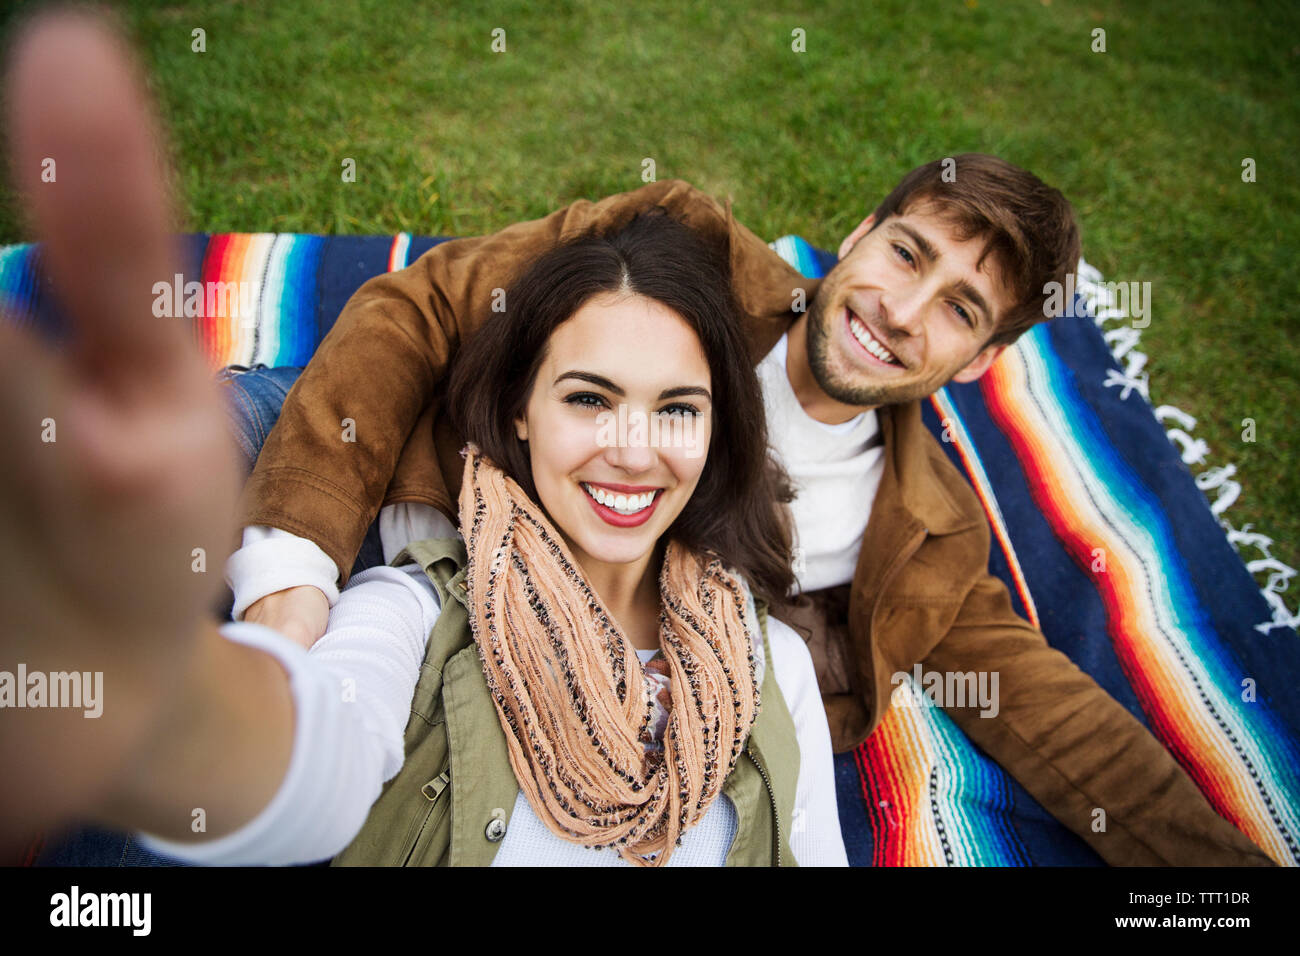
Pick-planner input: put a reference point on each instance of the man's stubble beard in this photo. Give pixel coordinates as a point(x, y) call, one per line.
point(818, 349)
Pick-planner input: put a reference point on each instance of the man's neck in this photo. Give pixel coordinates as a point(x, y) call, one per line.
point(816, 404)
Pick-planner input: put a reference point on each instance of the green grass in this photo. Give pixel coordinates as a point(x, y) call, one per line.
point(1147, 140)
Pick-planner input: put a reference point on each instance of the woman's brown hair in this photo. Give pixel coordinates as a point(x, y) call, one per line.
point(737, 510)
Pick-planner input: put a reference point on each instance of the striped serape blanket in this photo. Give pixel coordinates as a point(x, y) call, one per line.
point(1100, 530)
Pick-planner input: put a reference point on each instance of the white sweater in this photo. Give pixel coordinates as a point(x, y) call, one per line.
point(836, 470)
point(352, 696)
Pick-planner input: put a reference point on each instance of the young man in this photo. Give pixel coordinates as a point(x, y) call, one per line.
point(929, 289)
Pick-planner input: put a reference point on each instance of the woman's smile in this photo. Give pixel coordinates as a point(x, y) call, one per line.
point(623, 506)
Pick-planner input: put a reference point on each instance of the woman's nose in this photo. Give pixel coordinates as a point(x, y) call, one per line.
point(630, 447)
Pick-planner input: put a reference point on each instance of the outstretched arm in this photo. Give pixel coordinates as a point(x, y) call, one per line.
point(350, 703)
point(119, 466)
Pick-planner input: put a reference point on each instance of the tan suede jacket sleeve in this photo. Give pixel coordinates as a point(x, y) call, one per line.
point(356, 429)
point(1077, 750)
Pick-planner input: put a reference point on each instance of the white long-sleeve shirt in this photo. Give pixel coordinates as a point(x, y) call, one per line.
point(352, 696)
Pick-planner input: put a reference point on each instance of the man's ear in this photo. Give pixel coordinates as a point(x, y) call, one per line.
point(980, 364)
point(852, 238)
point(521, 428)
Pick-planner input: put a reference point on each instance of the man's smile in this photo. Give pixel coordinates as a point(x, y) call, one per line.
point(872, 346)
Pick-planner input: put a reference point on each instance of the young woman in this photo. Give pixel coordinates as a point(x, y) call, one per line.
point(619, 515)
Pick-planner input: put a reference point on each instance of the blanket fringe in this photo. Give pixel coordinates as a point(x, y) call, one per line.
point(1114, 321)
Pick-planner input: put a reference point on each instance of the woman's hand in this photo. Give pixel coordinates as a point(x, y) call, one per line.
point(117, 497)
point(300, 614)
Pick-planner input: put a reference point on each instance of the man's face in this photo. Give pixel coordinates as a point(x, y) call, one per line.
point(904, 312)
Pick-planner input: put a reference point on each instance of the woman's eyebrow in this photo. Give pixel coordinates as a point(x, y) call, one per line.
point(593, 378)
point(606, 384)
point(681, 390)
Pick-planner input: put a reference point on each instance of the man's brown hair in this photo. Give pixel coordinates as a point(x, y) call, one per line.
point(1029, 226)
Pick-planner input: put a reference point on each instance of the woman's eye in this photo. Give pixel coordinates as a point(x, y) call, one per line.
point(586, 400)
point(679, 409)
point(904, 254)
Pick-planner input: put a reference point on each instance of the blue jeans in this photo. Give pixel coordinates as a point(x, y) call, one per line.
point(253, 401)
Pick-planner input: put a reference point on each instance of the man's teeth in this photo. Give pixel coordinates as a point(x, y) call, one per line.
point(623, 504)
point(870, 344)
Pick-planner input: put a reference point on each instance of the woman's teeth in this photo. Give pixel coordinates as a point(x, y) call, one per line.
point(623, 504)
point(870, 344)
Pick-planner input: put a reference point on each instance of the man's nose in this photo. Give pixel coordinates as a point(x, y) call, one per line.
point(903, 309)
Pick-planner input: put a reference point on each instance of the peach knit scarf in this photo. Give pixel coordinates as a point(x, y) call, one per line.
point(574, 701)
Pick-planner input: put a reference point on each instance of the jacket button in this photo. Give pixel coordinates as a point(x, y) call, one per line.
point(496, 827)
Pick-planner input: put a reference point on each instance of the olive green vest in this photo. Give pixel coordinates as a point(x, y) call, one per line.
point(450, 804)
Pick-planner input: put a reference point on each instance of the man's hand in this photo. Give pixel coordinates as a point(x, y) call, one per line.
point(300, 614)
point(120, 480)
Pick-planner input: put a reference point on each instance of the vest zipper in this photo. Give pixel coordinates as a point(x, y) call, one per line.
point(432, 790)
point(771, 795)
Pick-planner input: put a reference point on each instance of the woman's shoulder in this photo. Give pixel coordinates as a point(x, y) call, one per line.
point(790, 655)
point(791, 660)
point(411, 560)
point(428, 550)
point(777, 631)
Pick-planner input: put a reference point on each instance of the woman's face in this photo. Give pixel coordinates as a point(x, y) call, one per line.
point(613, 479)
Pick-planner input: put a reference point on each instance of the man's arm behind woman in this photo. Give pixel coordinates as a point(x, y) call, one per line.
point(379, 368)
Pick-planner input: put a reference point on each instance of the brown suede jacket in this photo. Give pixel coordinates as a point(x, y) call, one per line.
point(921, 592)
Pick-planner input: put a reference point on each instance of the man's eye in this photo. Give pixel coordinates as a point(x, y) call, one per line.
point(586, 400)
point(965, 316)
point(906, 256)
